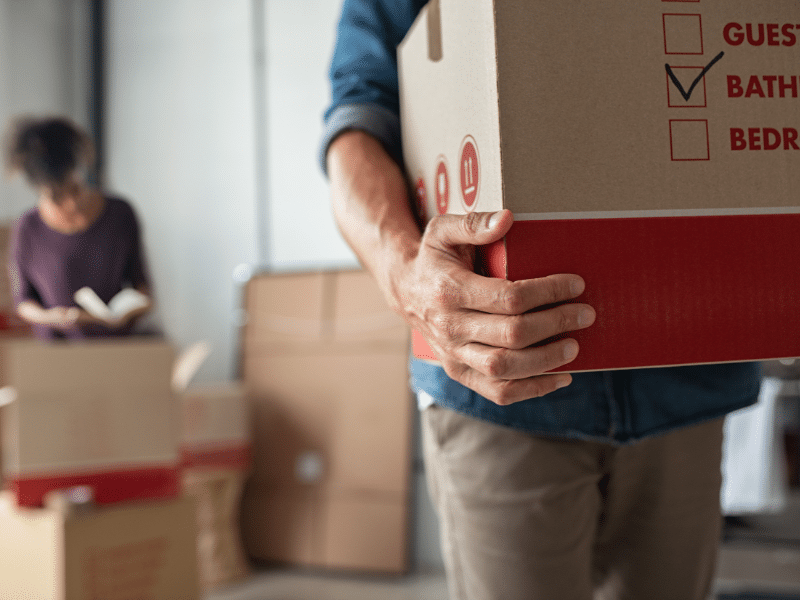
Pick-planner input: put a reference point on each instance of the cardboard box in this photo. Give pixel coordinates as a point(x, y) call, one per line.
point(302, 309)
point(332, 423)
point(340, 530)
point(217, 494)
point(650, 147)
point(100, 414)
point(135, 551)
point(216, 426)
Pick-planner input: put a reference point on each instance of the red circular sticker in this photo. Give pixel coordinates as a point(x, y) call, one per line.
point(421, 197)
point(442, 186)
point(469, 172)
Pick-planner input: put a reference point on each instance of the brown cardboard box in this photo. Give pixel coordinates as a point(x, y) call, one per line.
point(216, 459)
point(336, 530)
point(217, 494)
point(294, 309)
point(650, 147)
point(6, 336)
point(215, 427)
point(97, 413)
point(332, 423)
point(127, 552)
point(355, 414)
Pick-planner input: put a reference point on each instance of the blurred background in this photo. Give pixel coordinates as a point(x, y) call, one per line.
point(207, 116)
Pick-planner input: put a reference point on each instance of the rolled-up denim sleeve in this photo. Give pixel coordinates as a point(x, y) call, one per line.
point(363, 72)
point(378, 121)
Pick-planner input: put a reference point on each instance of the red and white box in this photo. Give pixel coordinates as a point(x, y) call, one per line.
point(682, 217)
point(99, 414)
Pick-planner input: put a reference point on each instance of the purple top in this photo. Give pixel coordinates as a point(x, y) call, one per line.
point(48, 267)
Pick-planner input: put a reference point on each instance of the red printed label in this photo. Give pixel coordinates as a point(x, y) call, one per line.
point(469, 172)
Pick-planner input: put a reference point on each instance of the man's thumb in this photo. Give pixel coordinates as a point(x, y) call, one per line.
point(476, 229)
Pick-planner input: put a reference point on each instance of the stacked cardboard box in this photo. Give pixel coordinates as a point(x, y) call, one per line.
point(100, 414)
point(325, 362)
point(125, 552)
point(100, 417)
point(215, 450)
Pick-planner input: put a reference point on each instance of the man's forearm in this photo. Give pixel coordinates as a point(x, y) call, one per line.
point(370, 204)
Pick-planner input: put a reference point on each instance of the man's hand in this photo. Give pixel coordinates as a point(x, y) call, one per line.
point(482, 329)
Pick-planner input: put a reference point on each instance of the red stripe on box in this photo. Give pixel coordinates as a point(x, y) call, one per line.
point(420, 347)
point(670, 290)
point(236, 457)
point(109, 486)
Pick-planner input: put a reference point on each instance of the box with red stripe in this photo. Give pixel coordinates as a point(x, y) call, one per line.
point(652, 148)
point(99, 414)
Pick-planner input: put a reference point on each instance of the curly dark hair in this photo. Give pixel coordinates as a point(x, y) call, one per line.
point(47, 150)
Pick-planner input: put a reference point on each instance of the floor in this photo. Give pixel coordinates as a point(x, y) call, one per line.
point(302, 585)
point(760, 555)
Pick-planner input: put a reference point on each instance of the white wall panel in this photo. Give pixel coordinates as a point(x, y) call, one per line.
point(299, 38)
point(181, 147)
point(43, 66)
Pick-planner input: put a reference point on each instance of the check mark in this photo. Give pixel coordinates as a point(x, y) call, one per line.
point(687, 94)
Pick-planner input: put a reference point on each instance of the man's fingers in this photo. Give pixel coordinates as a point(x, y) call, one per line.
point(475, 229)
point(509, 391)
point(520, 331)
point(502, 297)
point(502, 363)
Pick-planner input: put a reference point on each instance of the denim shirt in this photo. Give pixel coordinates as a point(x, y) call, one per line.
point(615, 406)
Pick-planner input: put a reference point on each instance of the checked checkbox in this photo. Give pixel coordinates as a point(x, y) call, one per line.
point(683, 34)
point(687, 76)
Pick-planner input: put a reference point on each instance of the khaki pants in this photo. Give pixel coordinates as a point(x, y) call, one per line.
point(527, 517)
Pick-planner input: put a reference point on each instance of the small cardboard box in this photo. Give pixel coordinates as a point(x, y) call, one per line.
point(127, 552)
point(100, 414)
point(215, 460)
point(216, 426)
point(218, 496)
point(651, 147)
point(325, 363)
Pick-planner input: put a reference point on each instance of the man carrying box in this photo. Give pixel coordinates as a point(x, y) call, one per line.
point(547, 485)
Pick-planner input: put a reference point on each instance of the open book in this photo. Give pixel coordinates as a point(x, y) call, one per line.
point(125, 302)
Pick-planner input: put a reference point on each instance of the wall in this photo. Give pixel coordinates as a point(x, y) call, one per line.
point(299, 40)
point(180, 146)
point(43, 70)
